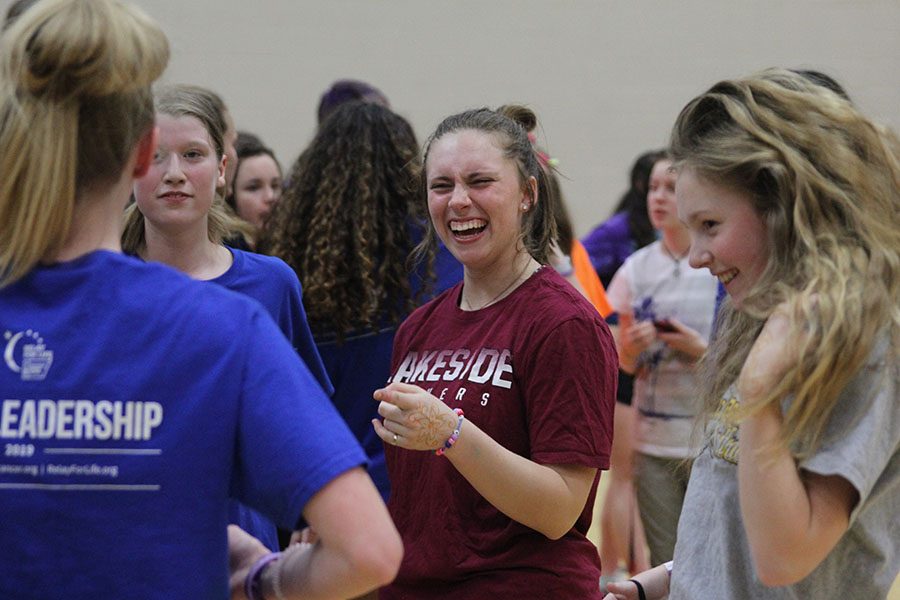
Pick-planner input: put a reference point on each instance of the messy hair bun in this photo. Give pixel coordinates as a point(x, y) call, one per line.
point(64, 49)
point(522, 115)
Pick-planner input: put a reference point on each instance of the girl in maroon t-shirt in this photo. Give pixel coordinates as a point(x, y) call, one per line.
point(509, 376)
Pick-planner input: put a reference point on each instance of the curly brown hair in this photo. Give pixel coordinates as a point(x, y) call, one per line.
point(349, 219)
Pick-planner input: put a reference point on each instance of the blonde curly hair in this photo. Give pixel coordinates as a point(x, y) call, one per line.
point(825, 181)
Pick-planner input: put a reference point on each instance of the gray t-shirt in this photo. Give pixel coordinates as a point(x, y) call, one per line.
point(712, 555)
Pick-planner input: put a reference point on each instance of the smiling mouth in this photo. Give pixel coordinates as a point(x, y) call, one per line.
point(467, 229)
point(175, 196)
point(727, 276)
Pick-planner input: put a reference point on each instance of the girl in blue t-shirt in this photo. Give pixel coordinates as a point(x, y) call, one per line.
point(131, 405)
point(178, 219)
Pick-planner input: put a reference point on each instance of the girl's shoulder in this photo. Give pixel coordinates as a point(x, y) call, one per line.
point(262, 262)
point(261, 268)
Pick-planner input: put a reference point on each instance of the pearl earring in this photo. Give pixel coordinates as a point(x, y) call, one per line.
point(525, 206)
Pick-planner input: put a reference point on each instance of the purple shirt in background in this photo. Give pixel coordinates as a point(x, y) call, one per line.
point(608, 245)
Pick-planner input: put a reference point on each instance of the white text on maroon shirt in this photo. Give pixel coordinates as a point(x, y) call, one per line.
point(485, 365)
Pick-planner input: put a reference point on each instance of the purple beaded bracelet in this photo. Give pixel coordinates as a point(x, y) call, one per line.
point(453, 436)
point(251, 583)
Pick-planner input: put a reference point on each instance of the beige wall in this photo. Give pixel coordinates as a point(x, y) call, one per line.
point(607, 78)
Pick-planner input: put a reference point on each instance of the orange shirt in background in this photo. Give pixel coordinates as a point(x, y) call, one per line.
point(589, 280)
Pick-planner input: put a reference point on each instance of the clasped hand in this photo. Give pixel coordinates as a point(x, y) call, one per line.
point(412, 418)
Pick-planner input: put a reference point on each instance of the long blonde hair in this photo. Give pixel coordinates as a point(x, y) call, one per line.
point(826, 182)
point(75, 99)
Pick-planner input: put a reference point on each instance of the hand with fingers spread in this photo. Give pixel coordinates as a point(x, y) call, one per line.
point(413, 418)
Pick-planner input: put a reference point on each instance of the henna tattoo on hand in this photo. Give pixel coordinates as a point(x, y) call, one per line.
point(432, 424)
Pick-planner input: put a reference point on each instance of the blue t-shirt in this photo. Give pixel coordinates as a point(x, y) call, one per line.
point(273, 284)
point(135, 401)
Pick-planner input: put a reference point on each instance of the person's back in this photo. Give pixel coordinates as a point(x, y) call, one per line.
point(138, 456)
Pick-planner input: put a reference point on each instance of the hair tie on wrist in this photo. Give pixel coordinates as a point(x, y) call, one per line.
point(641, 594)
point(276, 579)
point(453, 436)
point(252, 582)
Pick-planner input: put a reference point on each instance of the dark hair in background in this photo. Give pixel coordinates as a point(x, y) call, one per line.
point(247, 145)
point(510, 125)
point(246, 140)
point(349, 90)
point(634, 201)
point(348, 219)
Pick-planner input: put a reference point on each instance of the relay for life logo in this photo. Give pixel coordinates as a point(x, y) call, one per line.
point(34, 360)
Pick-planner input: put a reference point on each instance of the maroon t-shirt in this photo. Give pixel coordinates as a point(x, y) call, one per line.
point(537, 372)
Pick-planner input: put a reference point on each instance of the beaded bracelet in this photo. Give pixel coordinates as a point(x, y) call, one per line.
point(453, 436)
point(252, 582)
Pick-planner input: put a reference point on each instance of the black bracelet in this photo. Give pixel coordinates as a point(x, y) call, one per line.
point(640, 589)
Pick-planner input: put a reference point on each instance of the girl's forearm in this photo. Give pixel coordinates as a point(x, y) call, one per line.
point(792, 520)
point(548, 499)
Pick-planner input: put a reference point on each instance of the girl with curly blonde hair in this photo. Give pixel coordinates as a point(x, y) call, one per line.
point(792, 198)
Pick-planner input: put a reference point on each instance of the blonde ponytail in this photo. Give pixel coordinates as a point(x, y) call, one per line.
point(75, 99)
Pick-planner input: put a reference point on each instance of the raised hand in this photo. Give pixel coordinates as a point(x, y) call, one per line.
point(772, 354)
